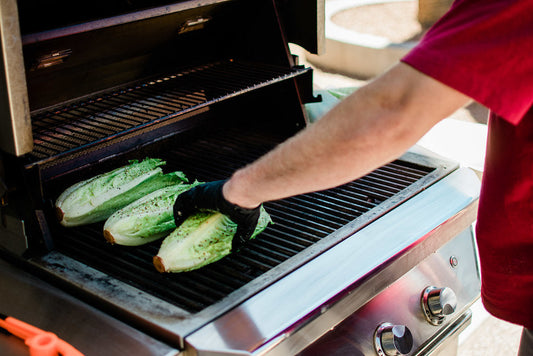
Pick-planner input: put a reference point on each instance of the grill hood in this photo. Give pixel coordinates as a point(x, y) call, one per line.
point(56, 53)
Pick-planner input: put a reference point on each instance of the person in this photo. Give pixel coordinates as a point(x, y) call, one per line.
point(479, 50)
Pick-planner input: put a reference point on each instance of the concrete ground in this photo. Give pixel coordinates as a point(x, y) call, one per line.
point(461, 137)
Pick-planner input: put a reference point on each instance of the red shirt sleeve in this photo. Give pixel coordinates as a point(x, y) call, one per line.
point(484, 49)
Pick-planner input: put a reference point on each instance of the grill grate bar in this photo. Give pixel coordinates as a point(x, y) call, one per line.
point(44, 149)
point(165, 105)
point(180, 99)
point(267, 244)
point(122, 114)
point(292, 235)
point(394, 174)
point(141, 106)
point(235, 269)
point(250, 259)
point(55, 122)
point(380, 185)
point(125, 114)
point(380, 181)
point(48, 142)
point(305, 219)
point(114, 125)
point(58, 139)
point(192, 97)
point(103, 115)
point(216, 277)
point(89, 125)
point(261, 249)
point(73, 131)
point(335, 213)
point(402, 171)
point(279, 237)
point(357, 201)
point(226, 81)
point(222, 163)
point(375, 193)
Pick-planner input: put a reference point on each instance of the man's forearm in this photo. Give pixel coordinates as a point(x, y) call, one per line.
point(373, 126)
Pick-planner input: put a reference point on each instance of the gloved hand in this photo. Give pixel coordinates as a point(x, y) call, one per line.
point(209, 196)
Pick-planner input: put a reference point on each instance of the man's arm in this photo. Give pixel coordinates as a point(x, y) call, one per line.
point(372, 127)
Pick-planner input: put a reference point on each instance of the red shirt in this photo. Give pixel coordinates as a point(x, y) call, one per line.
point(484, 49)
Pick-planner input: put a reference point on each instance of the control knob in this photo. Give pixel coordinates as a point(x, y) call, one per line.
point(393, 340)
point(436, 303)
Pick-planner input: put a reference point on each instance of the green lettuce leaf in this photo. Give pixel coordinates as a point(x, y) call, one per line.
point(146, 219)
point(95, 199)
point(203, 238)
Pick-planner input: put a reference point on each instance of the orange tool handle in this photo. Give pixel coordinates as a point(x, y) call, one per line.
point(40, 342)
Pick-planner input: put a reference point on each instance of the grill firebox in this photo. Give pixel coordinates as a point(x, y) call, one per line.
point(299, 222)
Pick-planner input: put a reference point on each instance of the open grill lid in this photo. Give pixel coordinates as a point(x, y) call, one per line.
point(58, 53)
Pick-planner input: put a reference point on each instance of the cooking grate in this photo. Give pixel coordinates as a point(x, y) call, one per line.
point(101, 118)
point(299, 222)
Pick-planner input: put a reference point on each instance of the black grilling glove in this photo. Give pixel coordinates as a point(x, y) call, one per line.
point(209, 196)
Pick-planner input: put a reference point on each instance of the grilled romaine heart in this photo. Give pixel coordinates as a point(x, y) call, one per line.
point(145, 220)
point(97, 198)
point(203, 238)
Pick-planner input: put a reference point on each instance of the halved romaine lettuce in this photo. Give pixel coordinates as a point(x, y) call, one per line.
point(203, 238)
point(145, 220)
point(95, 199)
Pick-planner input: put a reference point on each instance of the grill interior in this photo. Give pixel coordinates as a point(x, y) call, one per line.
point(299, 222)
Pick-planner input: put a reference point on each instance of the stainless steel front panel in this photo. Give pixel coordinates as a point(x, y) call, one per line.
point(399, 304)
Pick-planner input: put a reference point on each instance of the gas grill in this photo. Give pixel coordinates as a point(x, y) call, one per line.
point(382, 265)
